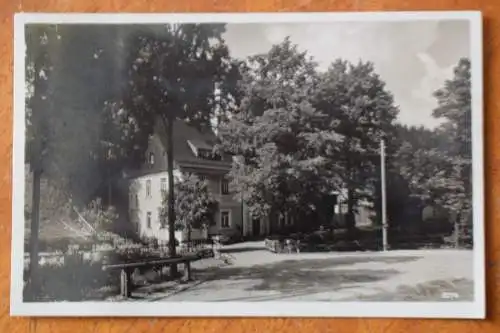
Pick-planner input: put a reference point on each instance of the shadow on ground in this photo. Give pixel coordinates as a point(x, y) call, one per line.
point(243, 249)
point(295, 278)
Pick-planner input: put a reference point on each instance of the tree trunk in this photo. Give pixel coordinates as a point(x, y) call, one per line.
point(110, 190)
point(189, 237)
point(271, 222)
point(35, 160)
point(457, 230)
point(33, 280)
point(171, 197)
point(350, 218)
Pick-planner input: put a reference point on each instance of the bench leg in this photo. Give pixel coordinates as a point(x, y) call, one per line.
point(125, 283)
point(187, 272)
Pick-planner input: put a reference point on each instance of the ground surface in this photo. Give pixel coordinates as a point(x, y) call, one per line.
point(254, 274)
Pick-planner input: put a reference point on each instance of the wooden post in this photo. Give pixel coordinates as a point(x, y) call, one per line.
point(383, 190)
point(34, 279)
point(171, 194)
point(126, 283)
point(187, 271)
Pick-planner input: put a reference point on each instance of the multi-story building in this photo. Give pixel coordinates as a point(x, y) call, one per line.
point(192, 154)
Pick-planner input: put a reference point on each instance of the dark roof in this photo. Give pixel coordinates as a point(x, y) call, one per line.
point(183, 154)
point(200, 144)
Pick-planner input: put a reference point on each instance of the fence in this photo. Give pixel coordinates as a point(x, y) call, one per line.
point(76, 274)
point(118, 252)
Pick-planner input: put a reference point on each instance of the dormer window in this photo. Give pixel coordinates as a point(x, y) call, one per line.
point(151, 158)
point(203, 153)
point(207, 154)
point(203, 150)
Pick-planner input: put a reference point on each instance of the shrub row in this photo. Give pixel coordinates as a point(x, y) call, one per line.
point(75, 273)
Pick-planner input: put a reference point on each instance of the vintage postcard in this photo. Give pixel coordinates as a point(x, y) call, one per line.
point(310, 165)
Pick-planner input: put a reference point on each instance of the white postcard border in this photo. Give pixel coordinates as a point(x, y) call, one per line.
point(472, 310)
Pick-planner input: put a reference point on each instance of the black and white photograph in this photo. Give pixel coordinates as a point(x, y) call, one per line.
point(315, 165)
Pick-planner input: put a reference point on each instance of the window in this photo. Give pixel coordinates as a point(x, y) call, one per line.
point(148, 188)
point(224, 186)
point(163, 186)
point(151, 158)
point(225, 219)
point(282, 220)
point(344, 208)
point(148, 220)
point(136, 201)
point(161, 222)
point(204, 153)
point(202, 177)
point(208, 155)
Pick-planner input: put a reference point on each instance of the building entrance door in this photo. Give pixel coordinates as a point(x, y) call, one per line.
point(256, 226)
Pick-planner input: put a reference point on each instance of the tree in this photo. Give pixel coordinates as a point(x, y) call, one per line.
point(37, 65)
point(439, 169)
point(407, 167)
point(173, 72)
point(455, 106)
point(122, 146)
point(278, 138)
point(434, 174)
point(67, 80)
point(195, 206)
point(358, 106)
point(100, 218)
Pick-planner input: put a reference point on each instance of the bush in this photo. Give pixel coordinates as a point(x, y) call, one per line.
point(75, 272)
point(74, 278)
point(274, 244)
point(348, 246)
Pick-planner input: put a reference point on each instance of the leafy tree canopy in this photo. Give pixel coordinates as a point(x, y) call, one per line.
point(195, 205)
point(277, 136)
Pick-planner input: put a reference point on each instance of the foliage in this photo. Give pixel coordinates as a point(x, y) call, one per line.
point(54, 203)
point(73, 279)
point(195, 206)
point(358, 106)
point(69, 76)
point(436, 165)
point(455, 105)
point(277, 137)
point(173, 74)
point(175, 70)
point(99, 217)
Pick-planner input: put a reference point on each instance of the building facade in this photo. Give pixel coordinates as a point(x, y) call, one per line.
point(192, 155)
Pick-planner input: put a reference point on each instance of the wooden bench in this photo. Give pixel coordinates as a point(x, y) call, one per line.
point(126, 269)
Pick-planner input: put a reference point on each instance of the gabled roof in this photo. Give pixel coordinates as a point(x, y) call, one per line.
point(183, 135)
point(199, 144)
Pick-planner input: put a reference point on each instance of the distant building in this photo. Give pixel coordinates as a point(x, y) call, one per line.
point(364, 215)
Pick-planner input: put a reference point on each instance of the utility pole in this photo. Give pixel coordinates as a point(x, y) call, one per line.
point(383, 192)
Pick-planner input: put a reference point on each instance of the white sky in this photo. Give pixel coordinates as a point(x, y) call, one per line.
point(414, 58)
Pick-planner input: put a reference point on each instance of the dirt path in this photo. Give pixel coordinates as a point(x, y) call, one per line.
point(257, 275)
